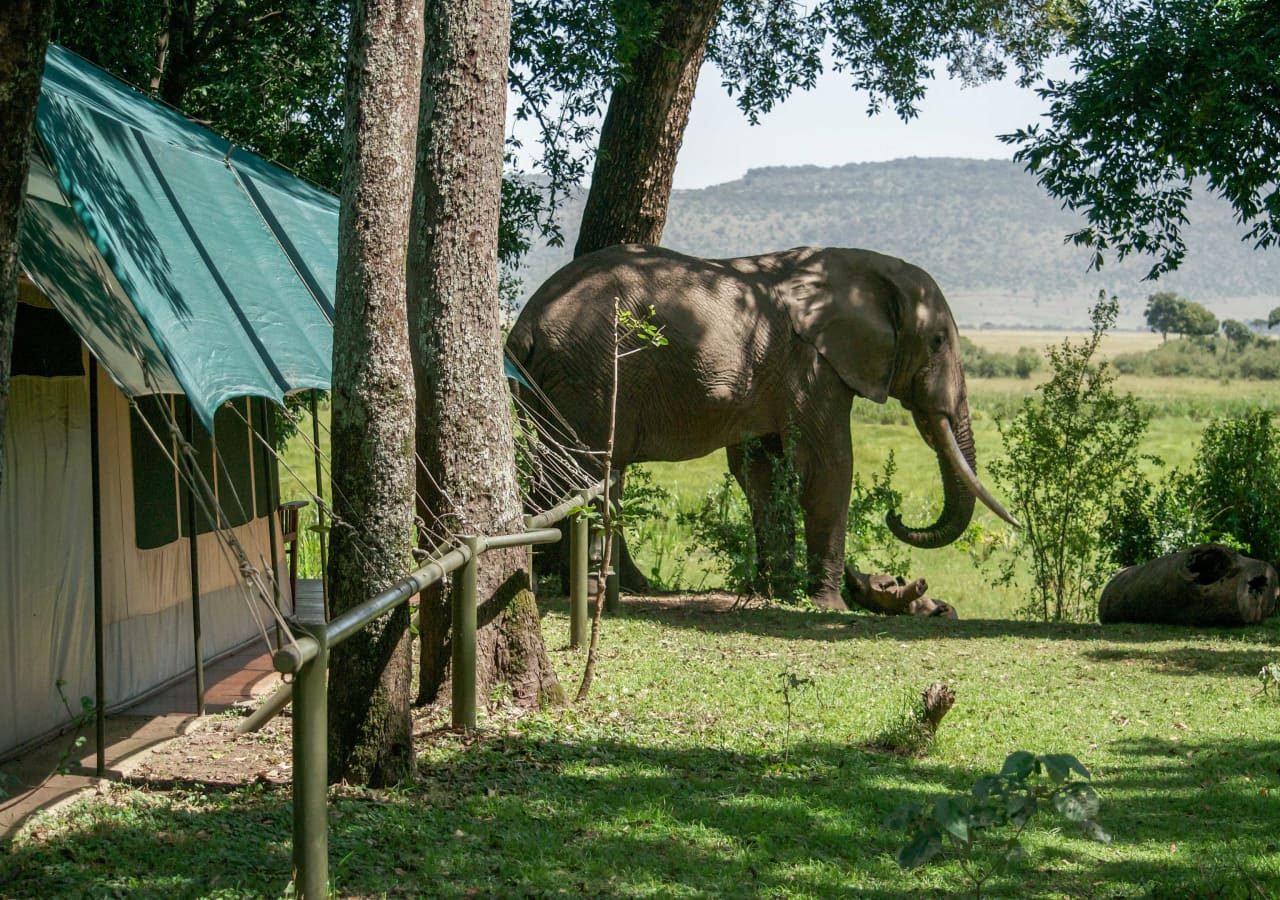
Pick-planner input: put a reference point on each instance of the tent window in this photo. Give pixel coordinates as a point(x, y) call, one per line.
point(155, 483)
point(44, 344)
point(262, 487)
point(203, 442)
point(161, 502)
point(235, 472)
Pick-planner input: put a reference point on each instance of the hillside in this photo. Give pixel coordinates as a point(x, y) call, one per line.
point(983, 228)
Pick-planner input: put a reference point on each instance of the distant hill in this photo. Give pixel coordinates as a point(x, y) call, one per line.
point(983, 228)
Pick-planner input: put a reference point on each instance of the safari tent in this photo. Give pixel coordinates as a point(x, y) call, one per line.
point(173, 286)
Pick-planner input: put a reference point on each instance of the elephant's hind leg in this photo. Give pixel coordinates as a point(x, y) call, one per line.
point(760, 466)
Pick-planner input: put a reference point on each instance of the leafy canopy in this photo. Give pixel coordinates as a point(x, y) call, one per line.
point(1168, 93)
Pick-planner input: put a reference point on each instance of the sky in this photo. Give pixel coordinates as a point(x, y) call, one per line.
point(828, 126)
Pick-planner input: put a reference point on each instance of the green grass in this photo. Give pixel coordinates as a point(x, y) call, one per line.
point(671, 781)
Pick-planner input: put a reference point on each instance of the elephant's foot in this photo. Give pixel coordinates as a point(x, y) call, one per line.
point(827, 598)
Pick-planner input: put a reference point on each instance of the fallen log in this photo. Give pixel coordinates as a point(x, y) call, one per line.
point(1208, 584)
point(893, 595)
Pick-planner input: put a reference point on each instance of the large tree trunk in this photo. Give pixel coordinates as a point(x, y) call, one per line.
point(370, 730)
point(642, 131)
point(1206, 585)
point(463, 419)
point(636, 158)
point(24, 31)
point(175, 48)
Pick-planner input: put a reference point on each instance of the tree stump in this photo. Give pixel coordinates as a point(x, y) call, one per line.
point(890, 595)
point(936, 700)
point(1208, 584)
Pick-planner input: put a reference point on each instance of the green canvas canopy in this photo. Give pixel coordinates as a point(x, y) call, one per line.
point(187, 264)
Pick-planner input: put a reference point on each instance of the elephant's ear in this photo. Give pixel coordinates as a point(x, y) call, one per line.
point(847, 309)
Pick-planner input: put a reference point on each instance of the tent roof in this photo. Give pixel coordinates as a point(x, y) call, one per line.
point(187, 264)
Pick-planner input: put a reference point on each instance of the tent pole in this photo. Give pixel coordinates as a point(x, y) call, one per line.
point(315, 443)
point(99, 620)
point(193, 541)
point(273, 507)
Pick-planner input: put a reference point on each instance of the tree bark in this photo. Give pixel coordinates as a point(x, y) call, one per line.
point(24, 32)
point(464, 436)
point(175, 52)
point(1206, 585)
point(642, 131)
point(370, 729)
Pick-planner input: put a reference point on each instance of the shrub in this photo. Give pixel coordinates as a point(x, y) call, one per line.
point(1068, 451)
point(869, 544)
point(979, 362)
point(1227, 497)
point(722, 524)
point(982, 827)
point(1236, 474)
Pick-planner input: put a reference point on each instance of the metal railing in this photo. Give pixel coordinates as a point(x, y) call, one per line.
point(307, 660)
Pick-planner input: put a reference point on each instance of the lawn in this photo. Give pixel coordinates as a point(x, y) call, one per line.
point(684, 775)
point(681, 777)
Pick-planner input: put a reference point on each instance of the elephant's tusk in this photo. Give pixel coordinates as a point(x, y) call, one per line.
point(952, 448)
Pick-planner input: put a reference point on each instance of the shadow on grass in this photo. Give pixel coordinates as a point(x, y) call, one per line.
point(713, 613)
point(533, 816)
point(1188, 660)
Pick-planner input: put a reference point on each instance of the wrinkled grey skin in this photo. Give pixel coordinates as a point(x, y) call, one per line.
point(757, 347)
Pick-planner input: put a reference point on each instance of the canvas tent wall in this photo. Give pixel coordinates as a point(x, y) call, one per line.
point(191, 272)
point(46, 549)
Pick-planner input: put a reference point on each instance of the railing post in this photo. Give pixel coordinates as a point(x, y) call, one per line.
point(578, 546)
point(311, 770)
point(611, 577)
point(464, 638)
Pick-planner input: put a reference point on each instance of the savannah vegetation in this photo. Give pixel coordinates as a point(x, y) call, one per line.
point(730, 751)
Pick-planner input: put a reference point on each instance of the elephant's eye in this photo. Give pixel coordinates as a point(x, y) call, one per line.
point(937, 342)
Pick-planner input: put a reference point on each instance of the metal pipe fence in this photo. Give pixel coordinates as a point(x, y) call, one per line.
point(307, 660)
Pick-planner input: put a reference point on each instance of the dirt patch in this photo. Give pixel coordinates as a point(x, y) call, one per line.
point(214, 755)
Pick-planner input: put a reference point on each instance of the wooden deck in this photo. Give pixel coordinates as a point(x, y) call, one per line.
point(238, 678)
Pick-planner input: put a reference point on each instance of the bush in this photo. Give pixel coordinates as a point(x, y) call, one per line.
point(722, 524)
point(1068, 452)
point(982, 363)
point(1229, 497)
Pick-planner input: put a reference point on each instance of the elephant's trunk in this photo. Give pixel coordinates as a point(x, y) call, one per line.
point(956, 461)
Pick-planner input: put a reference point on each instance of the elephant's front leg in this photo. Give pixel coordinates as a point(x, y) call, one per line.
point(826, 469)
point(760, 469)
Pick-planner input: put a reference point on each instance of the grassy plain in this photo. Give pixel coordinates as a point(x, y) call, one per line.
point(1003, 340)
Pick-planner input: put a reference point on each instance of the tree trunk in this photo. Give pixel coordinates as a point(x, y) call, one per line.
point(642, 131)
point(24, 32)
point(175, 48)
point(370, 730)
point(463, 433)
point(1206, 585)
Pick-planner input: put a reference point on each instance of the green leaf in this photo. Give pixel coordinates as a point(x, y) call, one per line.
point(1020, 808)
point(986, 786)
point(1077, 802)
point(1059, 766)
point(922, 848)
point(948, 814)
point(1019, 764)
point(903, 816)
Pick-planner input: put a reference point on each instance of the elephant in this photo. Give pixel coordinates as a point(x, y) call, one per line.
point(760, 347)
